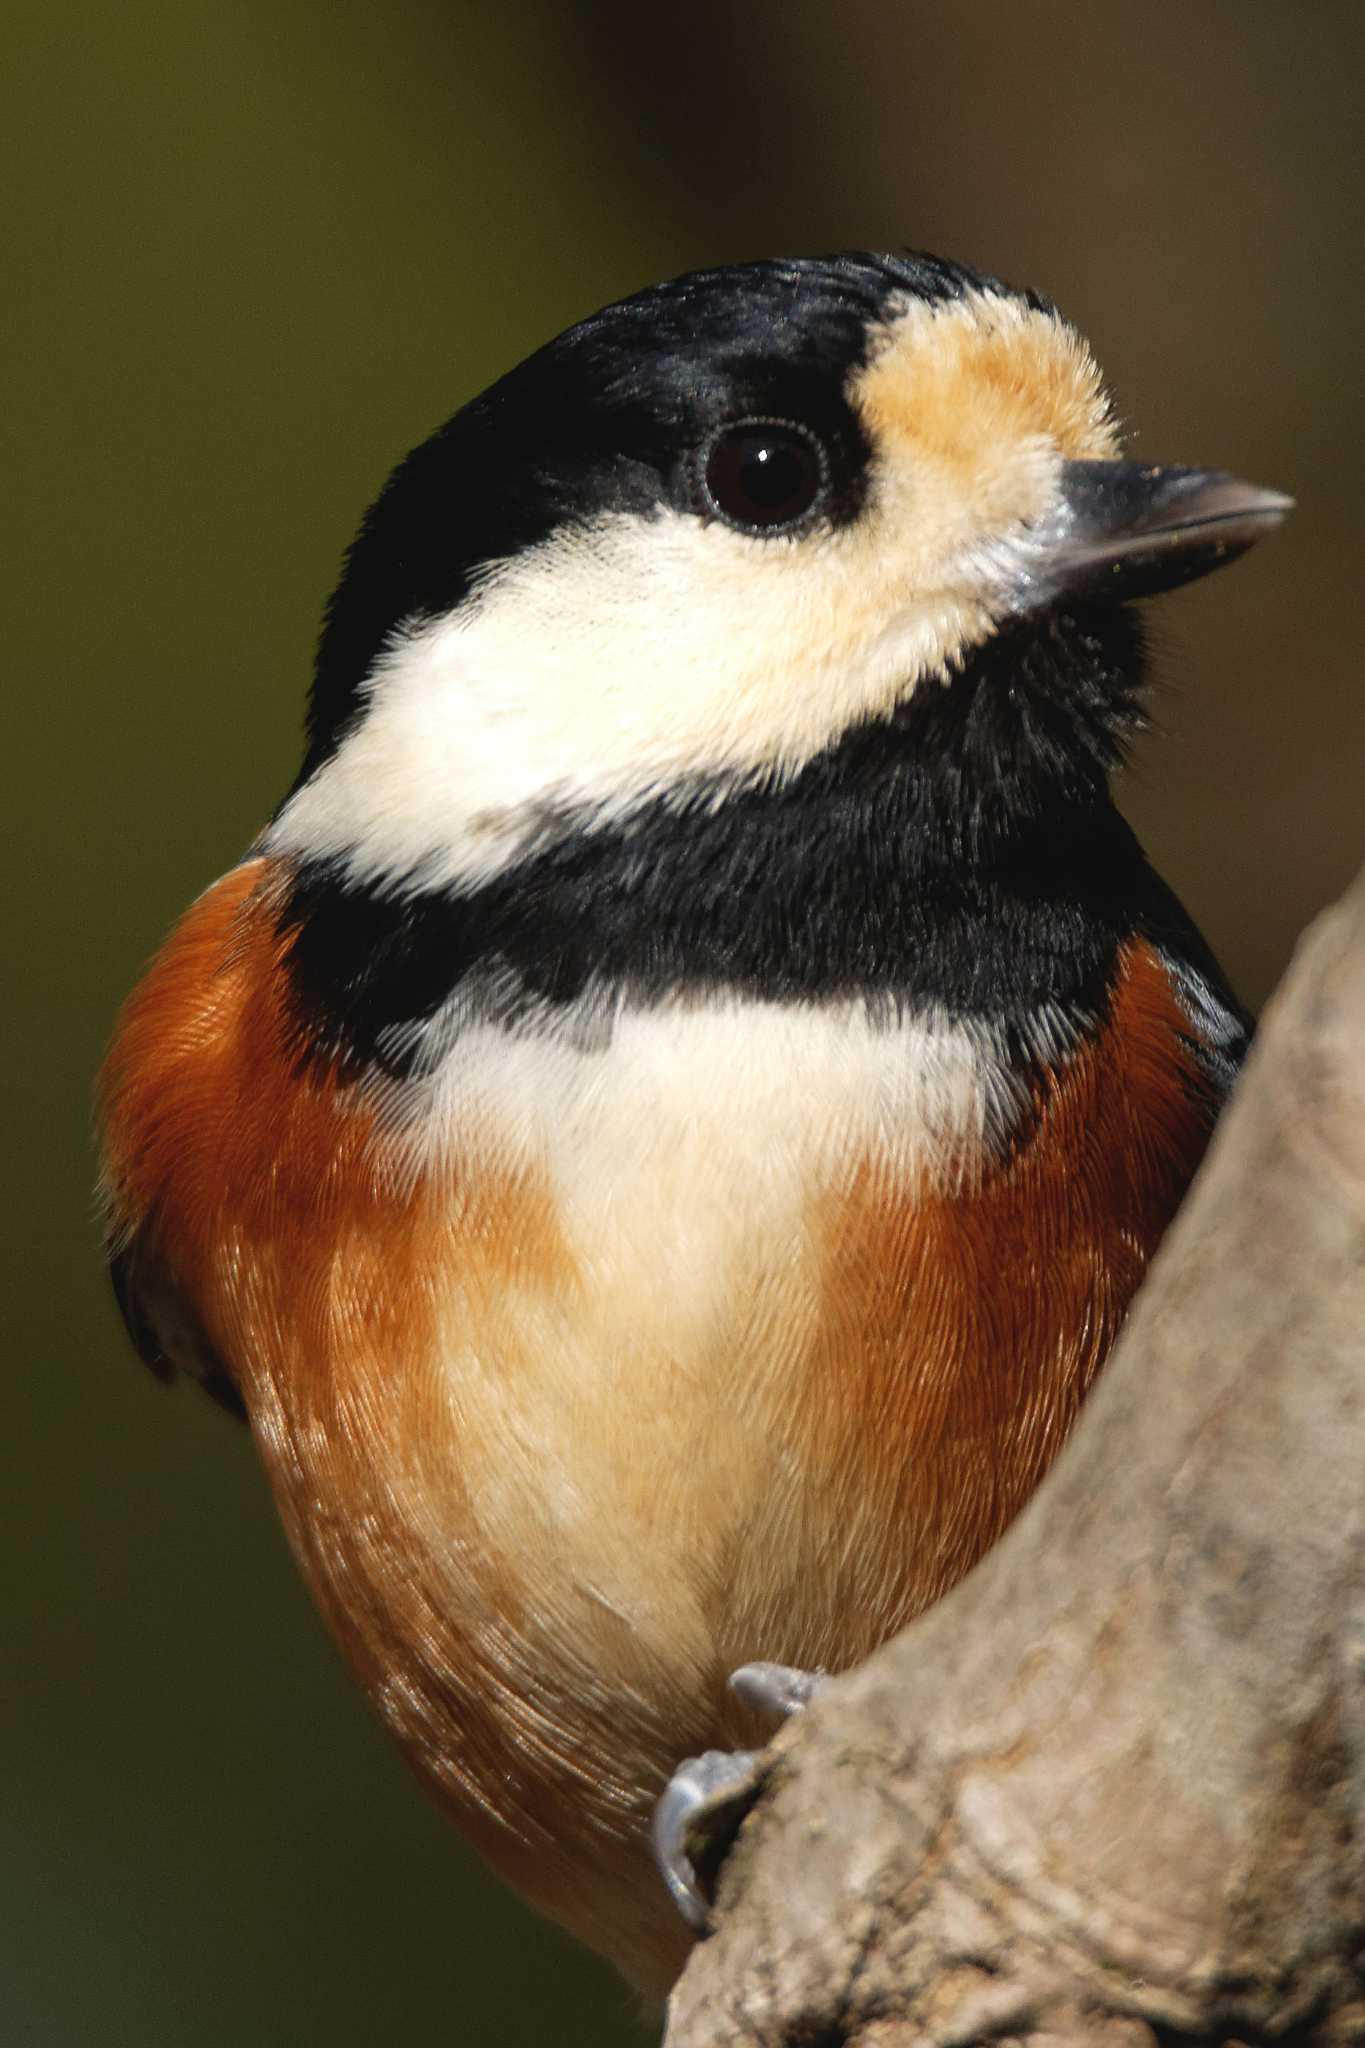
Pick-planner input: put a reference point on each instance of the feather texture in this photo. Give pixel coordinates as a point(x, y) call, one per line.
point(556, 1453)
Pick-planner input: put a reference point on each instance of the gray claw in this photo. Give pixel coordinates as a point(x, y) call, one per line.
point(776, 1688)
point(692, 1805)
point(705, 1800)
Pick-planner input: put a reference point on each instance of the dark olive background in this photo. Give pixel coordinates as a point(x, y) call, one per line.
point(259, 247)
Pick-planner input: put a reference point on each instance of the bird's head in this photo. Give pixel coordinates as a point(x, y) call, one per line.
point(701, 536)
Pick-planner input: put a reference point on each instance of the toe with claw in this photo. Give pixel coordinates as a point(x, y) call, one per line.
point(708, 1796)
point(778, 1689)
point(698, 1812)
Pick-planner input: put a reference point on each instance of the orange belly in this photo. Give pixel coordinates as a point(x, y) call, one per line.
point(547, 1492)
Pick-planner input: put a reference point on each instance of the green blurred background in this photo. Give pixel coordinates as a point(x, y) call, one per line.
point(258, 248)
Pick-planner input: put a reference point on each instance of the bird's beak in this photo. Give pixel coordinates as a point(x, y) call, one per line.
point(1127, 529)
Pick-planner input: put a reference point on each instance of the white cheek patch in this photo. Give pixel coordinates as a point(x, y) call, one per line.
point(610, 664)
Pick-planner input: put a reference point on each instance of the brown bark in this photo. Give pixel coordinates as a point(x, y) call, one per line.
point(1112, 1790)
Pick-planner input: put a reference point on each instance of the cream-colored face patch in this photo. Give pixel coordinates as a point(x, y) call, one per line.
point(619, 660)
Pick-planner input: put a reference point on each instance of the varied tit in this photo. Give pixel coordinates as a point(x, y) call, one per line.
point(659, 1133)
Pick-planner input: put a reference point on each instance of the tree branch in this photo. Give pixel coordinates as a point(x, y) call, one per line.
point(1111, 1790)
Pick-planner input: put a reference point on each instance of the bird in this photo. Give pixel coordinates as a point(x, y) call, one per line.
point(659, 1132)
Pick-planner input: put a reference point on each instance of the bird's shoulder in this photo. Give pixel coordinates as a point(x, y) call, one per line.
point(1216, 1025)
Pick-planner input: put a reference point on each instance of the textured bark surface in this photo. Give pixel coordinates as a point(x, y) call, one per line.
point(1112, 1790)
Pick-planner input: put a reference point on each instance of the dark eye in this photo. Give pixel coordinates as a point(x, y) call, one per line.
point(763, 475)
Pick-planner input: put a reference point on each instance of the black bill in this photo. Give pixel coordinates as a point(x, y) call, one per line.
point(1127, 529)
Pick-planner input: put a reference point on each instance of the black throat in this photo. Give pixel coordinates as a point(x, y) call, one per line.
point(962, 854)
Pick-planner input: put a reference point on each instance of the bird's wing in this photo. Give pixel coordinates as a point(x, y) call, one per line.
point(164, 1329)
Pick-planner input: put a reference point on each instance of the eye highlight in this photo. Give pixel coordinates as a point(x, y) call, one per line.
point(765, 476)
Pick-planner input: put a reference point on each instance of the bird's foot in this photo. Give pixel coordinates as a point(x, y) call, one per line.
point(701, 1807)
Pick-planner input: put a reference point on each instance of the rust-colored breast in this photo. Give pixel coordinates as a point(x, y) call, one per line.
point(961, 1331)
point(269, 1203)
point(368, 1316)
point(266, 1178)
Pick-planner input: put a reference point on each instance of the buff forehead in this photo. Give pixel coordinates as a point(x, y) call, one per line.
point(955, 384)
